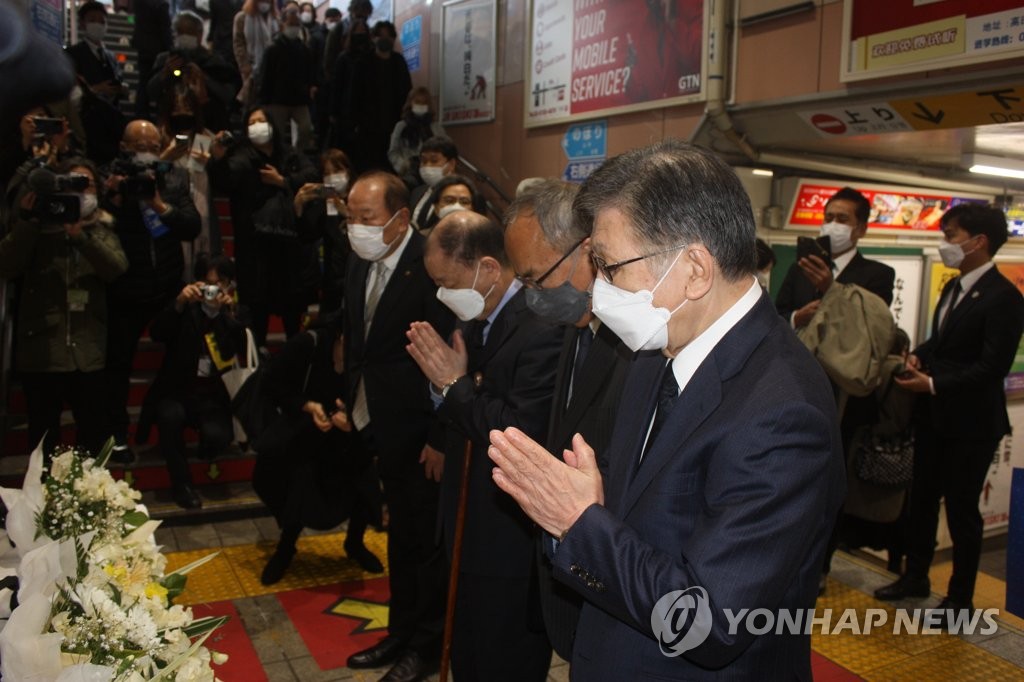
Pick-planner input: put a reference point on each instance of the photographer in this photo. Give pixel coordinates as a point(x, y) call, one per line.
point(322, 212)
point(42, 140)
point(155, 214)
point(202, 336)
point(65, 248)
point(260, 175)
point(191, 66)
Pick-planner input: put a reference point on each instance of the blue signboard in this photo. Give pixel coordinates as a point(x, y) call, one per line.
point(47, 19)
point(578, 171)
point(412, 34)
point(586, 141)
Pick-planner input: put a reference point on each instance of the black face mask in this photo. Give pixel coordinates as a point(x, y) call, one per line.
point(562, 305)
point(385, 44)
point(182, 123)
point(360, 41)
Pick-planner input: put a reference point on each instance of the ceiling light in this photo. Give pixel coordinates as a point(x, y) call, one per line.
point(762, 171)
point(1001, 166)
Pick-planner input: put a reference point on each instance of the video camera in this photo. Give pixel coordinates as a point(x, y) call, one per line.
point(57, 196)
point(139, 178)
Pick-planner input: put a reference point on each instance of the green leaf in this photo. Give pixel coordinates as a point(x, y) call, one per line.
point(104, 456)
point(134, 519)
point(175, 584)
point(204, 625)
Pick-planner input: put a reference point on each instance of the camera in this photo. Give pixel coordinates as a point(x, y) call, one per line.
point(47, 126)
point(57, 208)
point(181, 140)
point(210, 291)
point(139, 178)
point(45, 181)
point(230, 138)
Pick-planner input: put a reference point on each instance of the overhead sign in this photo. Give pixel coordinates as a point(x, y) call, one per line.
point(468, 51)
point(47, 19)
point(412, 32)
point(887, 37)
point(591, 58)
point(860, 119)
point(896, 209)
point(966, 109)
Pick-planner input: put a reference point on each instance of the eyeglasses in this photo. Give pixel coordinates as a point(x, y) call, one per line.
point(531, 283)
point(607, 269)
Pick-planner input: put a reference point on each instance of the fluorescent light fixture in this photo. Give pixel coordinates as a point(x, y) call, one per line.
point(985, 164)
point(763, 171)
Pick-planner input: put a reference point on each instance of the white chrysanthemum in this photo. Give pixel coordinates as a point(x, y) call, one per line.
point(141, 628)
point(176, 645)
point(196, 668)
point(61, 466)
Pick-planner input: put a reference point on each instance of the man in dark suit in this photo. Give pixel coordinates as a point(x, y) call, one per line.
point(726, 472)
point(550, 253)
point(846, 221)
point(499, 371)
point(959, 372)
point(386, 289)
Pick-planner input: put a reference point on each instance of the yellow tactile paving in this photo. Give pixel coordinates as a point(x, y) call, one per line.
point(235, 573)
point(955, 660)
point(989, 592)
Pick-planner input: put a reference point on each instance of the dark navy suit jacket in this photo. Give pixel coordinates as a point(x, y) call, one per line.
point(737, 494)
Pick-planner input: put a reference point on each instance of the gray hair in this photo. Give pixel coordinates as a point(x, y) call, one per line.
point(192, 18)
point(550, 201)
point(674, 193)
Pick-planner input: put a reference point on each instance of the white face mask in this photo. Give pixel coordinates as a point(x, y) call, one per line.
point(420, 109)
point(339, 181)
point(76, 96)
point(306, 17)
point(467, 304)
point(88, 204)
point(368, 240)
point(840, 235)
point(292, 32)
point(146, 158)
point(331, 24)
point(953, 255)
point(632, 315)
point(431, 174)
point(186, 42)
point(260, 132)
point(449, 209)
point(263, 7)
point(96, 31)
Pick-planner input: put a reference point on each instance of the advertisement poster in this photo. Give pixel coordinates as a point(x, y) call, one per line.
point(906, 292)
point(887, 37)
point(892, 208)
point(1014, 271)
point(468, 58)
point(591, 58)
point(47, 19)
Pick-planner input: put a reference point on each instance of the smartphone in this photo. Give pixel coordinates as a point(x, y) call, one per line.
point(820, 247)
point(327, 192)
point(48, 126)
point(181, 140)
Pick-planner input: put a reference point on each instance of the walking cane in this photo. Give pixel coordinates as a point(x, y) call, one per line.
point(453, 577)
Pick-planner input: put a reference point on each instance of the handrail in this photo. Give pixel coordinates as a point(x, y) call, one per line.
point(484, 178)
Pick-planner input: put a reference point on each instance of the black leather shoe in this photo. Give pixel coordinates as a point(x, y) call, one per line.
point(409, 668)
point(366, 559)
point(946, 612)
point(277, 565)
point(906, 586)
point(186, 497)
point(383, 653)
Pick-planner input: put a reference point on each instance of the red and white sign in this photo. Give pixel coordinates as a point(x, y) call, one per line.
point(859, 119)
point(900, 209)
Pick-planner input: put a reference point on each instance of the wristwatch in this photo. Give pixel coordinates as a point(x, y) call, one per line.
point(444, 389)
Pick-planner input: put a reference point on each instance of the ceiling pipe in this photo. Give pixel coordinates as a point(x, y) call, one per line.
point(716, 90)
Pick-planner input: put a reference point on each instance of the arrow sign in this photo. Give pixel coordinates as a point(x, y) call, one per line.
point(373, 614)
point(927, 115)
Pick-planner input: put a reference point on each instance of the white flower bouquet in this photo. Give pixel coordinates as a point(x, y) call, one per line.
point(93, 602)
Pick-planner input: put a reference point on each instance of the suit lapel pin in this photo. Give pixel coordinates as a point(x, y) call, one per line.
point(408, 273)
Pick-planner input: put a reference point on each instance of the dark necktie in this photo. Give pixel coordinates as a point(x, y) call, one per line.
point(474, 335)
point(583, 341)
point(667, 397)
point(957, 290)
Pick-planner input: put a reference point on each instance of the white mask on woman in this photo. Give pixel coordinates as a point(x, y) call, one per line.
point(260, 132)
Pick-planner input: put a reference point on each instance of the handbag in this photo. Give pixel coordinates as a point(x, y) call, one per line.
point(235, 378)
point(275, 219)
point(882, 457)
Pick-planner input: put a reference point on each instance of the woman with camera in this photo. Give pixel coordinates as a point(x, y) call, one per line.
point(323, 214)
point(65, 247)
point(260, 174)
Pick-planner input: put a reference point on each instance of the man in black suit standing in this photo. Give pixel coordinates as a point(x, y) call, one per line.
point(726, 473)
point(386, 289)
point(846, 221)
point(959, 372)
point(550, 253)
point(499, 371)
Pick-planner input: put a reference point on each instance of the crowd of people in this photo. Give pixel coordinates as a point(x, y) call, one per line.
point(551, 403)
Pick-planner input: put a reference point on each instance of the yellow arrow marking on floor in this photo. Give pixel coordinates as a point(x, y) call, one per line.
point(373, 614)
